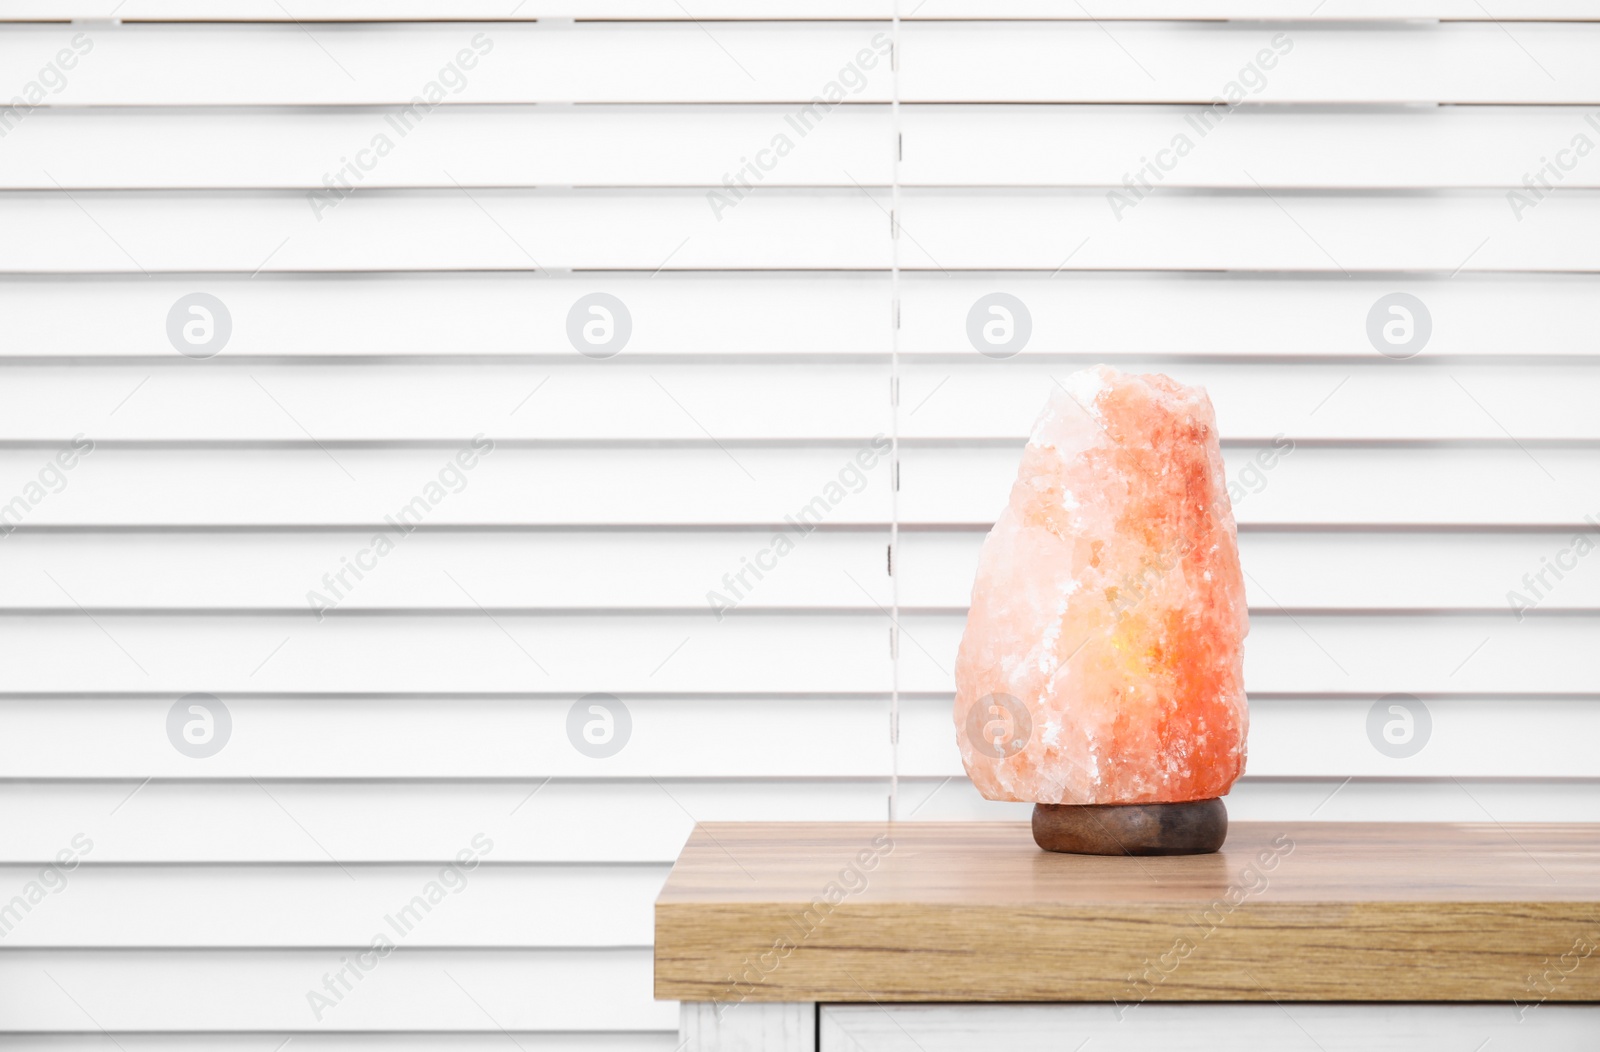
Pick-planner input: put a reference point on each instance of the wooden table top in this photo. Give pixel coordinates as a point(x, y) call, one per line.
point(1286, 911)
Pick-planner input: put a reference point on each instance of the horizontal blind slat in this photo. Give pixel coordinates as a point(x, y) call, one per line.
point(693, 654)
point(782, 737)
point(790, 489)
point(1332, 570)
point(1080, 317)
point(982, 145)
point(676, 569)
point(635, 399)
point(594, 820)
point(443, 63)
point(279, 64)
point(447, 737)
point(224, 990)
point(1328, 738)
point(451, 316)
point(638, 1041)
point(576, 399)
point(446, 655)
point(1189, 62)
point(431, 10)
point(1052, 231)
point(1369, 656)
point(399, 489)
point(332, 905)
point(1309, 486)
point(1422, 147)
point(566, 570)
point(1379, 399)
point(473, 146)
point(590, 819)
point(1255, 230)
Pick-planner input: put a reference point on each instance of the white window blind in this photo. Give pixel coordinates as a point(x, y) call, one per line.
point(692, 517)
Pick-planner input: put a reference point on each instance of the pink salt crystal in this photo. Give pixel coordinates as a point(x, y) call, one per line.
point(1102, 659)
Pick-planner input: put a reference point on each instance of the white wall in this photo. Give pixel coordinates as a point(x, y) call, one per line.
point(374, 334)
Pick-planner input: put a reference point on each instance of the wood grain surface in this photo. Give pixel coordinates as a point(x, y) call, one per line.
point(857, 912)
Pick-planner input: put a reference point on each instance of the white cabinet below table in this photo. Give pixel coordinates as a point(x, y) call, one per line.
point(1265, 1027)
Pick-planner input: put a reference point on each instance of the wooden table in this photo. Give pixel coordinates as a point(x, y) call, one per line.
point(943, 936)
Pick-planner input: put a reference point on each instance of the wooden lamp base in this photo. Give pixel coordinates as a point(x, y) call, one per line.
point(1194, 827)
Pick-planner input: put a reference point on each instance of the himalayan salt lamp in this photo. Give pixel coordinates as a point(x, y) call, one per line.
point(1100, 674)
